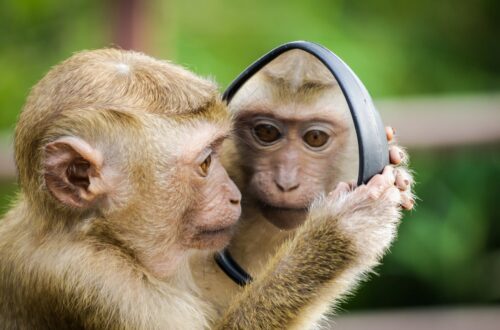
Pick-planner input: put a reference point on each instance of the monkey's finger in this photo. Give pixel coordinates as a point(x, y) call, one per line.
point(396, 155)
point(352, 184)
point(376, 182)
point(380, 182)
point(386, 178)
point(403, 179)
point(389, 133)
point(394, 195)
point(407, 201)
point(389, 175)
point(342, 188)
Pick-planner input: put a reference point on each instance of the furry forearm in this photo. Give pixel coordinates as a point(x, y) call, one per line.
point(293, 278)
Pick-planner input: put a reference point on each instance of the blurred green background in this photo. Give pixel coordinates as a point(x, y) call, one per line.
point(448, 250)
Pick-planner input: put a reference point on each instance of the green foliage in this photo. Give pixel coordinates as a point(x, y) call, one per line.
point(396, 47)
point(35, 36)
point(7, 194)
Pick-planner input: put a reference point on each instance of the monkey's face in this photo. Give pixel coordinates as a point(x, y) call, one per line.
point(215, 208)
point(207, 199)
point(126, 146)
point(290, 161)
point(160, 190)
point(295, 138)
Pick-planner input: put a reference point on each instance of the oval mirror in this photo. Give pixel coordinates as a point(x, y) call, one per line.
point(301, 113)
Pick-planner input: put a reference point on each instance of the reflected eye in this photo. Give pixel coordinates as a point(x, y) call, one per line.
point(266, 133)
point(206, 165)
point(316, 138)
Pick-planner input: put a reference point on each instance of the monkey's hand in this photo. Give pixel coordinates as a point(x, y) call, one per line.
point(367, 215)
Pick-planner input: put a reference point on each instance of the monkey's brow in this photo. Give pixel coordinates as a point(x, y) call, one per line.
point(218, 140)
point(271, 114)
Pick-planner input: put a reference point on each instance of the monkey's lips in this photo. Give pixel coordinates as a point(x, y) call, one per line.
point(215, 238)
point(283, 217)
point(216, 231)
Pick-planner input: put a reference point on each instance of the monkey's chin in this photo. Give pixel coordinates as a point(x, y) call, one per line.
point(216, 239)
point(284, 218)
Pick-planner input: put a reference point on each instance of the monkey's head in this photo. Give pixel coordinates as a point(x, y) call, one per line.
point(119, 145)
point(295, 136)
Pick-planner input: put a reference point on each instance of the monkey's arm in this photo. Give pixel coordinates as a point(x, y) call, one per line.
point(345, 235)
point(291, 281)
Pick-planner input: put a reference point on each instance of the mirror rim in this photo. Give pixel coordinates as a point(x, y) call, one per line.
point(370, 132)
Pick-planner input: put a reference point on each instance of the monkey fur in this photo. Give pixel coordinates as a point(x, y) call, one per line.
point(111, 204)
point(109, 214)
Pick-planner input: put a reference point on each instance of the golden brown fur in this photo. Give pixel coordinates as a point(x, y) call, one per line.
point(106, 218)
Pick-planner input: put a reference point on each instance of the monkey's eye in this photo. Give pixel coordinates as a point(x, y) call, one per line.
point(205, 165)
point(266, 133)
point(315, 138)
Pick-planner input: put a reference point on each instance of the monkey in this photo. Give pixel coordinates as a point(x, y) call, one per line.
point(120, 181)
point(294, 141)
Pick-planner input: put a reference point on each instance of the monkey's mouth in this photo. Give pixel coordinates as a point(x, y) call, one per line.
point(214, 238)
point(220, 231)
point(283, 217)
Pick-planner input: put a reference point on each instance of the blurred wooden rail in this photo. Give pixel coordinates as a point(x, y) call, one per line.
point(420, 123)
point(443, 121)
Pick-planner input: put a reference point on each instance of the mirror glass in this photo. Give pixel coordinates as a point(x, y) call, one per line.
point(295, 135)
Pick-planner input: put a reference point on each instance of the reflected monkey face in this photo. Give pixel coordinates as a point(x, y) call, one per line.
point(295, 136)
point(290, 161)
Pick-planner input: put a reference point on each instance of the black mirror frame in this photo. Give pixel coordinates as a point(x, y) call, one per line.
point(372, 141)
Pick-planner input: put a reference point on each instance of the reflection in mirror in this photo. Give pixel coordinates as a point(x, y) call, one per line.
point(294, 136)
point(294, 140)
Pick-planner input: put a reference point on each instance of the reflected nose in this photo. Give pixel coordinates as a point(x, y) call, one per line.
point(286, 186)
point(287, 176)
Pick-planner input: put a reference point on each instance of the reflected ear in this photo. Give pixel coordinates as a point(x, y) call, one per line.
point(72, 172)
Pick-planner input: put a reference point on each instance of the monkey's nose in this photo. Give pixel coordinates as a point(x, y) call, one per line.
point(234, 193)
point(287, 187)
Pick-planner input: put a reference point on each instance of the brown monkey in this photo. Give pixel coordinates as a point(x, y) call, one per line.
point(295, 141)
point(120, 181)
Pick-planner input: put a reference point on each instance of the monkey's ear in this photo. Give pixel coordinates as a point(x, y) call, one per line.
point(72, 172)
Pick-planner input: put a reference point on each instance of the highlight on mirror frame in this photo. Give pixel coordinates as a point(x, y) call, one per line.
point(294, 136)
